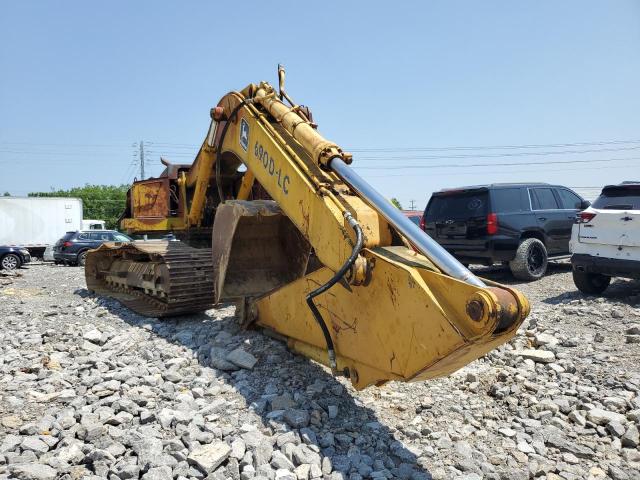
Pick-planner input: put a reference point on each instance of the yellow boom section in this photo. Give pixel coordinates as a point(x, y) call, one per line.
point(310, 252)
point(399, 317)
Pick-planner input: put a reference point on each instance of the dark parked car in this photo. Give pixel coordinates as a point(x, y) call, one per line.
point(12, 258)
point(73, 247)
point(522, 224)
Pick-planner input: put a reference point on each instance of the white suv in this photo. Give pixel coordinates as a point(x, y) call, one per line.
point(605, 240)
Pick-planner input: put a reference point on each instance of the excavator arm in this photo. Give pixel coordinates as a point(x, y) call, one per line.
point(314, 255)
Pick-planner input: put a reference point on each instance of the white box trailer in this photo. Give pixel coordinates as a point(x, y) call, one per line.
point(38, 222)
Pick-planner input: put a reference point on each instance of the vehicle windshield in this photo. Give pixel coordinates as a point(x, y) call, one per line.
point(451, 206)
point(119, 237)
point(618, 198)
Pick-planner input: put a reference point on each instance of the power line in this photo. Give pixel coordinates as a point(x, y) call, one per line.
point(494, 147)
point(129, 172)
point(448, 148)
point(503, 164)
point(496, 155)
point(500, 172)
point(42, 163)
point(354, 149)
point(190, 145)
point(73, 145)
point(55, 153)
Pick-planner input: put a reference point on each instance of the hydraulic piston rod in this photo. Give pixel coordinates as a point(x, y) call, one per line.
point(323, 150)
point(423, 242)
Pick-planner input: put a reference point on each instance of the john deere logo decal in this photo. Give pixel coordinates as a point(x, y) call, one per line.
point(244, 134)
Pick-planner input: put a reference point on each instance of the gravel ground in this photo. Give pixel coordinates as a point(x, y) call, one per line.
point(90, 390)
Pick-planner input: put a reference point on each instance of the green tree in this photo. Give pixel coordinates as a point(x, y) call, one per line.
point(99, 202)
point(397, 203)
point(6, 194)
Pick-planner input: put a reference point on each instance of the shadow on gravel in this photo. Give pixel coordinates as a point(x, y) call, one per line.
point(502, 274)
point(344, 429)
point(620, 290)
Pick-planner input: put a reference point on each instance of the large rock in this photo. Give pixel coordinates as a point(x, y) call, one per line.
point(282, 402)
point(35, 445)
point(302, 471)
point(633, 329)
point(280, 461)
point(297, 418)
point(631, 438)
point(602, 417)
point(32, 471)
point(543, 339)
point(159, 473)
point(94, 336)
point(284, 474)
point(217, 359)
point(209, 457)
point(632, 338)
point(242, 359)
point(564, 445)
point(538, 356)
point(238, 449)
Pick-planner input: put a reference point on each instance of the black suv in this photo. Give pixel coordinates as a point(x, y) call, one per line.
point(524, 224)
point(73, 247)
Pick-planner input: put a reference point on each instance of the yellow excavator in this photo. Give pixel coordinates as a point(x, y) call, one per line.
point(271, 216)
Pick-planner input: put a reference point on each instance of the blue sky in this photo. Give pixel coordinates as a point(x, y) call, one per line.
point(81, 81)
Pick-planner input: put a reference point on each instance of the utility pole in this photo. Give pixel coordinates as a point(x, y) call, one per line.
point(141, 160)
point(413, 204)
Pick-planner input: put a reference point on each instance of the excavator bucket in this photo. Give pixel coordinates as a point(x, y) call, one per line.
point(409, 323)
point(256, 249)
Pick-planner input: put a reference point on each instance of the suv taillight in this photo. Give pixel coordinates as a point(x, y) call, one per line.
point(67, 244)
point(492, 224)
point(423, 225)
point(584, 217)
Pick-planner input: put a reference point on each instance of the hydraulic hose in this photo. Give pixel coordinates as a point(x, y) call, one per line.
point(332, 281)
point(234, 112)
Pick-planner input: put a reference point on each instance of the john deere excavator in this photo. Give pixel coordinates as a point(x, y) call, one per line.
point(272, 217)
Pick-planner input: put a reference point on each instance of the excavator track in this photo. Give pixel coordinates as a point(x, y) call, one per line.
point(155, 278)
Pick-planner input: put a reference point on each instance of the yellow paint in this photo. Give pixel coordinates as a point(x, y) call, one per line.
point(410, 322)
point(399, 327)
point(199, 177)
point(131, 225)
point(247, 184)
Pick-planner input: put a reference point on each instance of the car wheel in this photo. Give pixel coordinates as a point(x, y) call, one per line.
point(10, 262)
point(82, 258)
point(591, 283)
point(531, 260)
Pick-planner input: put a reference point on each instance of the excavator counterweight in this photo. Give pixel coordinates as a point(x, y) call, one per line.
point(271, 216)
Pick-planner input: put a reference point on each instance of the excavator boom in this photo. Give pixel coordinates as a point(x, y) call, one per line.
point(306, 249)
